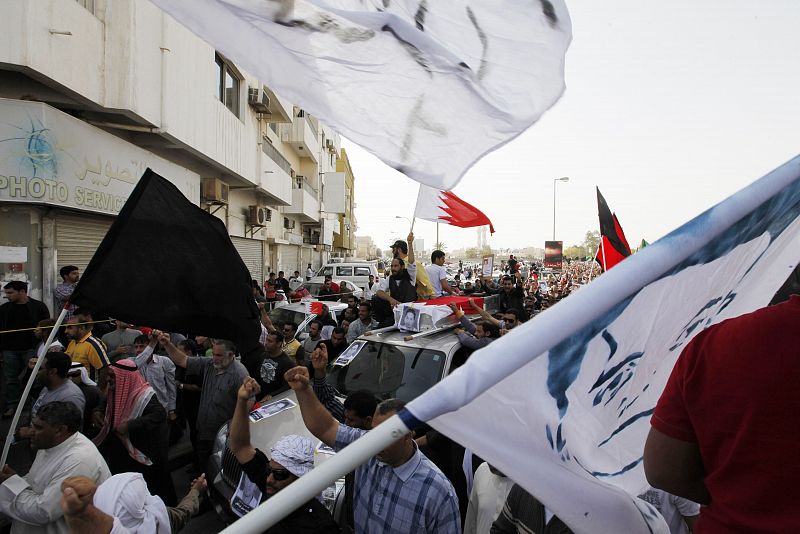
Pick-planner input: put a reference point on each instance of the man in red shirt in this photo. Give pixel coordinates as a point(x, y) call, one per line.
point(725, 431)
point(270, 288)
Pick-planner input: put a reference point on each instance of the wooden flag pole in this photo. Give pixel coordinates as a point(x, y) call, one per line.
point(29, 385)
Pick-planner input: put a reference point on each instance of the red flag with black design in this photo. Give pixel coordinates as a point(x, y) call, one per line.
point(613, 246)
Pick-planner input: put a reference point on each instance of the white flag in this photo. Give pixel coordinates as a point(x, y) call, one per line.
point(428, 86)
point(562, 404)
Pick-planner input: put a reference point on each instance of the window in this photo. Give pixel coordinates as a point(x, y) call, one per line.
point(363, 271)
point(389, 371)
point(344, 271)
point(326, 271)
point(227, 85)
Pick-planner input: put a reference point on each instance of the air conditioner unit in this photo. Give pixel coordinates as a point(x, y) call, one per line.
point(258, 215)
point(288, 223)
point(258, 99)
point(214, 190)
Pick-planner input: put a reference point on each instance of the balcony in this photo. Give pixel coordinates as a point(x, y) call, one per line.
point(280, 109)
point(301, 135)
point(276, 179)
point(305, 202)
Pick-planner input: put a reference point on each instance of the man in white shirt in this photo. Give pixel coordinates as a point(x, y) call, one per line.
point(32, 501)
point(489, 492)
point(371, 288)
point(438, 275)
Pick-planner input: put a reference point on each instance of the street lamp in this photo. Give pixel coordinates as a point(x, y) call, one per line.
point(562, 179)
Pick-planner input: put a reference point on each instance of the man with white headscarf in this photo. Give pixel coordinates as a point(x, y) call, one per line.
point(291, 457)
point(123, 505)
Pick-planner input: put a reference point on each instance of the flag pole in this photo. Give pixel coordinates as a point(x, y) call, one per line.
point(29, 385)
point(594, 259)
point(604, 267)
point(311, 484)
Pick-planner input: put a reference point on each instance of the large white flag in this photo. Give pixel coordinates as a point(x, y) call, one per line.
point(562, 404)
point(428, 86)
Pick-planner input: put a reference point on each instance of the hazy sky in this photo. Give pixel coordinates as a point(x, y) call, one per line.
point(670, 107)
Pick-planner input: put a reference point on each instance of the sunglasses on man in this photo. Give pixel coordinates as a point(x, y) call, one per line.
point(278, 474)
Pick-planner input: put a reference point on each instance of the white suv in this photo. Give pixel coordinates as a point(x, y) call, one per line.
point(355, 271)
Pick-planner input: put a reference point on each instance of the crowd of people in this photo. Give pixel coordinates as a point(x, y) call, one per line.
point(109, 402)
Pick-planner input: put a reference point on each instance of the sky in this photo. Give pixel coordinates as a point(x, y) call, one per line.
point(670, 107)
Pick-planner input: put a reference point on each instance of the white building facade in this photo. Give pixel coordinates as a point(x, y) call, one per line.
point(92, 92)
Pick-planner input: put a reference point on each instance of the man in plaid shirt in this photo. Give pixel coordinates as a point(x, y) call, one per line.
point(399, 491)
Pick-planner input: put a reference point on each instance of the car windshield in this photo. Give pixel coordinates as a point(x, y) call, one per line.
point(314, 287)
point(389, 371)
point(283, 315)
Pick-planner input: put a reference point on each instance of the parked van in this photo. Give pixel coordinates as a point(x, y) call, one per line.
point(353, 271)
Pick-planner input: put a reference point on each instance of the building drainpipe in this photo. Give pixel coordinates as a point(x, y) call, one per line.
point(165, 50)
point(49, 260)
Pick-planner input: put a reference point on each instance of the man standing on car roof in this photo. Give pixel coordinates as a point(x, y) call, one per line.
point(419, 278)
point(291, 457)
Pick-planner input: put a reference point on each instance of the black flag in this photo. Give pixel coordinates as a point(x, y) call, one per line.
point(613, 245)
point(169, 264)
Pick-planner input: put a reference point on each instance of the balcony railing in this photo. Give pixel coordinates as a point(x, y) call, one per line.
point(276, 156)
point(302, 184)
point(312, 123)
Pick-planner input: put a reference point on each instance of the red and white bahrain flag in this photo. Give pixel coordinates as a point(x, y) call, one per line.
point(445, 207)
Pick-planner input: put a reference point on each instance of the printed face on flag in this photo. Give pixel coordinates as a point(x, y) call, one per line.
point(591, 391)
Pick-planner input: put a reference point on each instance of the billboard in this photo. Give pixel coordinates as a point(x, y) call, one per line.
point(553, 254)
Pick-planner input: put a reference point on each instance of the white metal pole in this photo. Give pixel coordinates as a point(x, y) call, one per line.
point(604, 267)
point(554, 208)
point(26, 392)
point(310, 485)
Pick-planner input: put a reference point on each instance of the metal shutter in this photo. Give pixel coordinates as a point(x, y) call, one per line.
point(308, 257)
point(289, 257)
point(78, 236)
point(251, 251)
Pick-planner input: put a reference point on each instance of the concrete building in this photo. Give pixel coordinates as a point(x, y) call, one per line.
point(92, 92)
point(367, 249)
point(344, 243)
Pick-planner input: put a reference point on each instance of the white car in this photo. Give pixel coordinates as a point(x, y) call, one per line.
point(355, 272)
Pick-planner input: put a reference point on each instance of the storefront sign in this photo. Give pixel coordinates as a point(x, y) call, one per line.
point(49, 157)
point(13, 254)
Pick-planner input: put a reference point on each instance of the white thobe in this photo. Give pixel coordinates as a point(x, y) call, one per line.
point(33, 501)
point(489, 493)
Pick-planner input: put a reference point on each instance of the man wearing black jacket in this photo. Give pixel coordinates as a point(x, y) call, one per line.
point(19, 313)
point(512, 296)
